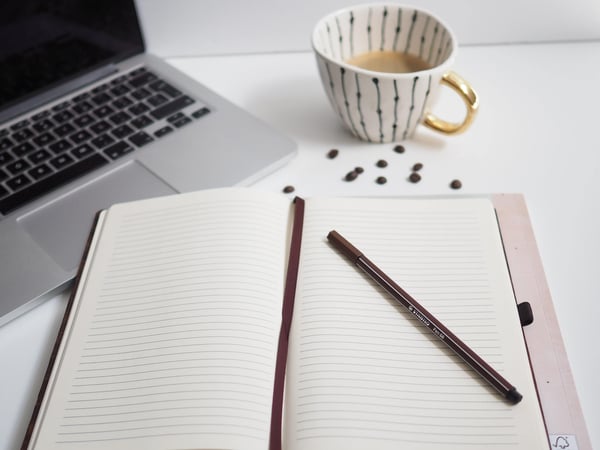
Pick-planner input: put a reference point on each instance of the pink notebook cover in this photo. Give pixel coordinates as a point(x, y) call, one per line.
point(556, 388)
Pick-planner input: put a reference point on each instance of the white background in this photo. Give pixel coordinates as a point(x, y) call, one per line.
point(205, 27)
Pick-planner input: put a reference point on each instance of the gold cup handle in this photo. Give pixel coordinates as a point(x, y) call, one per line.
point(468, 95)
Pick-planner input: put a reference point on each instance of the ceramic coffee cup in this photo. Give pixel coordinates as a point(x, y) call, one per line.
point(382, 66)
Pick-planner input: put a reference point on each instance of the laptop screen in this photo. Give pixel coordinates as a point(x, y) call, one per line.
point(46, 42)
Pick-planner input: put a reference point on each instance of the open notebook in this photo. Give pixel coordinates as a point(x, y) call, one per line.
point(171, 339)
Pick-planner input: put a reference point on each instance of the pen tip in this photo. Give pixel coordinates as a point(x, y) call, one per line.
point(513, 396)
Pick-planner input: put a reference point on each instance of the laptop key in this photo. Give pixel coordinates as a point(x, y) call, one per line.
point(60, 146)
point(3, 191)
point(39, 156)
point(100, 127)
point(118, 80)
point(141, 122)
point(181, 122)
point(172, 107)
point(100, 88)
point(23, 134)
point(83, 150)
point(119, 118)
point(18, 166)
point(40, 171)
point(175, 117)
point(80, 136)
point(5, 157)
point(117, 150)
point(101, 98)
point(82, 107)
point(61, 106)
point(162, 131)
point(141, 93)
point(64, 129)
point(83, 121)
point(61, 161)
point(103, 111)
point(166, 88)
point(20, 124)
point(134, 73)
point(3, 175)
point(44, 139)
point(53, 181)
point(142, 79)
point(23, 148)
point(81, 97)
point(5, 143)
point(157, 100)
point(62, 116)
point(201, 112)
point(122, 131)
point(41, 115)
point(18, 182)
point(138, 109)
point(102, 141)
point(119, 90)
point(43, 125)
point(122, 102)
point(141, 138)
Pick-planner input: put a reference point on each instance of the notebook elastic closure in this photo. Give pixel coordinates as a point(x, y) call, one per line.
point(525, 313)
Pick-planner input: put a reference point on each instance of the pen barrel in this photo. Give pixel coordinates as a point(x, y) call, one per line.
point(461, 349)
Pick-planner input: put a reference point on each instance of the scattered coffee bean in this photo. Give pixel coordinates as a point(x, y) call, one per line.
point(351, 176)
point(399, 148)
point(381, 180)
point(288, 189)
point(359, 170)
point(382, 163)
point(414, 177)
point(332, 153)
point(456, 184)
point(417, 167)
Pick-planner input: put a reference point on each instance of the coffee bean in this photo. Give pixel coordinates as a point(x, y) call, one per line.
point(288, 189)
point(414, 177)
point(332, 153)
point(399, 149)
point(417, 167)
point(351, 176)
point(381, 180)
point(359, 169)
point(456, 184)
point(382, 163)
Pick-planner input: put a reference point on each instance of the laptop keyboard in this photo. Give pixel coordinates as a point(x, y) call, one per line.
point(59, 144)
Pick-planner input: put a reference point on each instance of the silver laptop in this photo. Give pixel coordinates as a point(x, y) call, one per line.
point(87, 119)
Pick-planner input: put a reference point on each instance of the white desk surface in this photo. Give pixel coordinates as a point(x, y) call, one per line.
point(537, 133)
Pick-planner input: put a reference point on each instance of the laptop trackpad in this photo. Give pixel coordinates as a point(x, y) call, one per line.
point(61, 228)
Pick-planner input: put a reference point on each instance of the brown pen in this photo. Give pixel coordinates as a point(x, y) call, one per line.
point(507, 390)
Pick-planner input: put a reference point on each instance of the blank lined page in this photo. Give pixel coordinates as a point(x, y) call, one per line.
point(363, 373)
point(176, 329)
